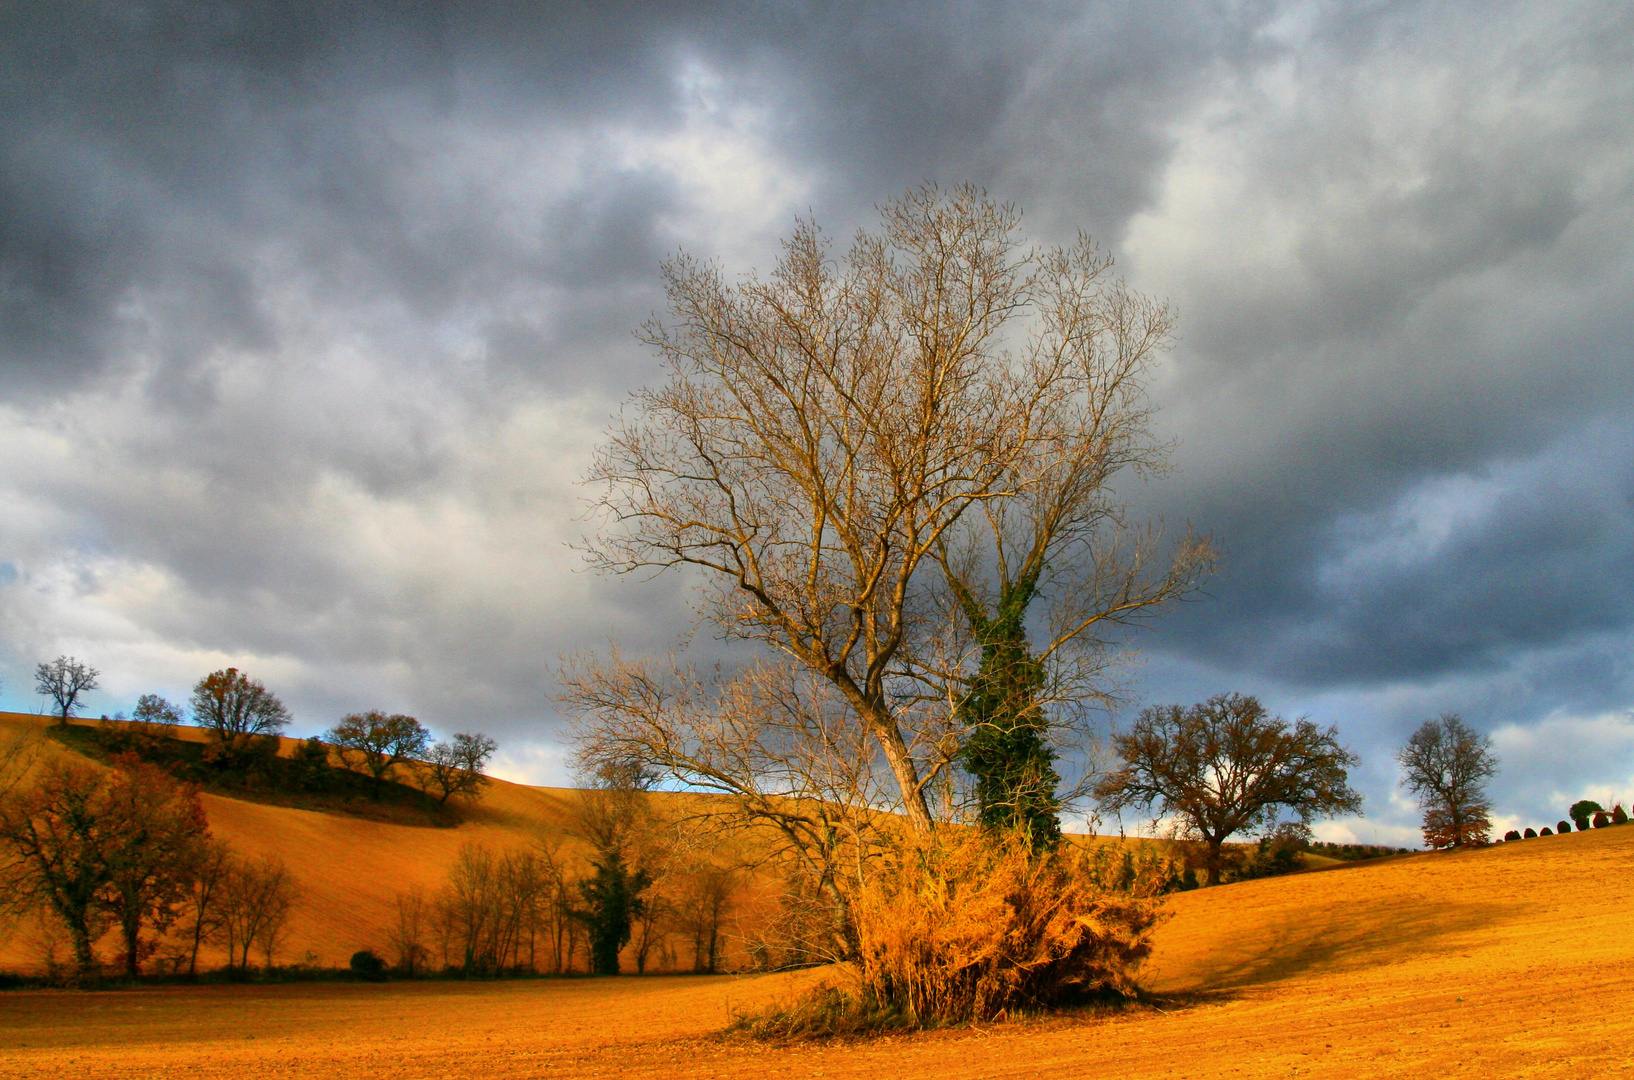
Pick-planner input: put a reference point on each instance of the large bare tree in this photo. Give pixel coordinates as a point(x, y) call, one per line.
point(861, 459)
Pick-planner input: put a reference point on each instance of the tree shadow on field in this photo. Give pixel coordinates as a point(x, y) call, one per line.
point(1344, 939)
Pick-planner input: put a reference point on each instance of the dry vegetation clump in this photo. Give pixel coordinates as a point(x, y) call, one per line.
point(971, 927)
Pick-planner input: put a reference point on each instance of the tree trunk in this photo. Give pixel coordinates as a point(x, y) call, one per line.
point(1215, 858)
point(902, 765)
point(131, 928)
point(85, 965)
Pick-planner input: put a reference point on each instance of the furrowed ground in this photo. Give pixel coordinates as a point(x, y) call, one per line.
point(1509, 962)
point(1515, 961)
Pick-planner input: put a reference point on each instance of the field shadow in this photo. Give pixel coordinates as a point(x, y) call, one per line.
point(1343, 939)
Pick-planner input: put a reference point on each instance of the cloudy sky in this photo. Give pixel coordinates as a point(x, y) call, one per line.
point(310, 316)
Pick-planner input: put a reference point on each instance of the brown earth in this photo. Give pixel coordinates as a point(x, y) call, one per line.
point(1514, 961)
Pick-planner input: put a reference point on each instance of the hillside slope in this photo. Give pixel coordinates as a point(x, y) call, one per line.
point(1514, 961)
point(349, 869)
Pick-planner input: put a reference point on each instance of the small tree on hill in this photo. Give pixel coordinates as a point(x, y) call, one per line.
point(1447, 764)
point(236, 710)
point(155, 710)
point(379, 742)
point(1227, 766)
point(455, 767)
point(65, 680)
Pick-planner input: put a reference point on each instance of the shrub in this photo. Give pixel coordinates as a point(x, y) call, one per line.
point(1563, 827)
point(1546, 831)
point(1601, 820)
point(1581, 810)
point(973, 928)
point(1618, 815)
point(1512, 835)
point(367, 966)
point(1530, 833)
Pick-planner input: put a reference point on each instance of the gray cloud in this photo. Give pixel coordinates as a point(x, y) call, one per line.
point(310, 314)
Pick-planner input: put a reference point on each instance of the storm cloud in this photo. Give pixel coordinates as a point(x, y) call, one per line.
point(310, 316)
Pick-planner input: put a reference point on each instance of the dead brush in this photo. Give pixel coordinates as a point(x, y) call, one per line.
point(975, 928)
point(969, 927)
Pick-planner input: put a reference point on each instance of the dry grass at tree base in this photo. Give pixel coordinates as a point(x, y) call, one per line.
point(964, 928)
point(1508, 962)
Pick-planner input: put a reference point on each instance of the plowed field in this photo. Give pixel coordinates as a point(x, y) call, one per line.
point(1516, 961)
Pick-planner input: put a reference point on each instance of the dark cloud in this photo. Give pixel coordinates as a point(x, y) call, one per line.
point(309, 315)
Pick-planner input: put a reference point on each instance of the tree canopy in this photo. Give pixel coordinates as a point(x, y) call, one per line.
point(1446, 764)
point(891, 471)
point(1227, 766)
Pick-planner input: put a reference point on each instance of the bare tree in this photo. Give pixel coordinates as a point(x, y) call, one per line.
point(408, 938)
point(769, 739)
point(379, 742)
point(701, 900)
point(864, 460)
point(213, 863)
point(65, 680)
point(257, 899)
point(1227, 766)
point(155, 710)
point(1447, 764)
point(455, 767)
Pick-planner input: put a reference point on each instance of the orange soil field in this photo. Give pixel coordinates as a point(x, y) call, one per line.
point(1516, 961)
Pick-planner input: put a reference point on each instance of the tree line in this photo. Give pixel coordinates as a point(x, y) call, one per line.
point(86, 849)
point(89, 850)
point(645, 885)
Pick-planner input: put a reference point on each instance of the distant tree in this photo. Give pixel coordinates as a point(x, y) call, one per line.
point(312, 769)
point(153, 709)
point(1581, 811)
point(65, 680)
point(56, 836)
point(257, 899)
point(615, 819)
point(702, 896)
point(367, 966)
point(612, 899)
point(1447, 764)
point(237, 710)
point(1227, 766)
point(102, 847)
point(455, 767)
point(408, 938)
point(379, 742)
point(155, 854)
point(1563, 827)
point(1619, 816)
point(204, 901)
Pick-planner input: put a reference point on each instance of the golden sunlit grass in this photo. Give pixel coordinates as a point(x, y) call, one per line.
point(1512, 961)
